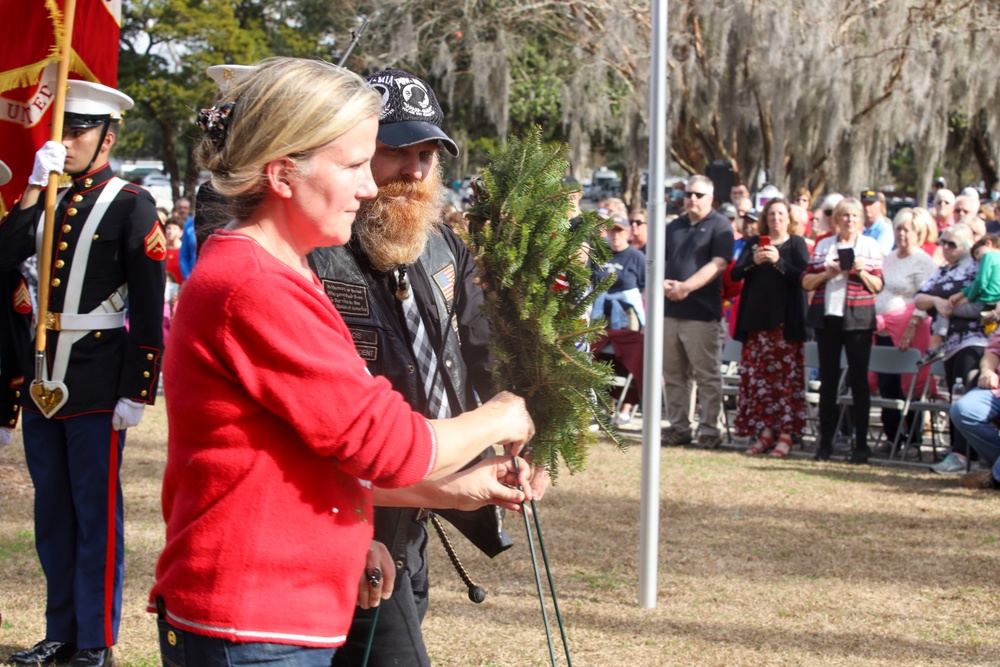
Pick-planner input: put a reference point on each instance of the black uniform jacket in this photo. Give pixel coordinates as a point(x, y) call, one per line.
point(127, 247)
point(15, 343)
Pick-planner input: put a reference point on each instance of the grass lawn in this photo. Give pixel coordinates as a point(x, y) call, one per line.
point(762, 562)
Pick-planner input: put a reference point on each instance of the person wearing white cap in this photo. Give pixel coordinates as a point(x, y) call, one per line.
point(98, 375)
point(15, 339)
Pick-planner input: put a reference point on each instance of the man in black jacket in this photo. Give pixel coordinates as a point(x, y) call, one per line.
point(406, 287)
point(15, 340)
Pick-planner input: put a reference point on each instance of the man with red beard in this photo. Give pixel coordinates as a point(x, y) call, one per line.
point(405, 285)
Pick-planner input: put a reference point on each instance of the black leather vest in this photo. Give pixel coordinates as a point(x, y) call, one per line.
point(369, 308)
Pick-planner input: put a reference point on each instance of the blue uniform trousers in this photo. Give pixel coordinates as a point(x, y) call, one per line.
point(79, 533)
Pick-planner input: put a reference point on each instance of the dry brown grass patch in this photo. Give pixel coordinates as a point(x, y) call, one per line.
point(761, 563)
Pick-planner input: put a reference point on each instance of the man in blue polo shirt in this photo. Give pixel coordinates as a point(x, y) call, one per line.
point(699, 247)
point(877, 225)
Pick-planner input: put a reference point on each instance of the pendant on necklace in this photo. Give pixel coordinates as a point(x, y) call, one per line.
point(402, 285)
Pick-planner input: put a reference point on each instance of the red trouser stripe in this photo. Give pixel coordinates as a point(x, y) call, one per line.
point(109, 560)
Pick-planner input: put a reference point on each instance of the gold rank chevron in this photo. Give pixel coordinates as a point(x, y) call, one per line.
point(22, 299)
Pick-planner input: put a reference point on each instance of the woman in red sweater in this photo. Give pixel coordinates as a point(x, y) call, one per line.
point(277, 430)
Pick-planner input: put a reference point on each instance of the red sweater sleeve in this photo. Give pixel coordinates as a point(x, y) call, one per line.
point(294, 354)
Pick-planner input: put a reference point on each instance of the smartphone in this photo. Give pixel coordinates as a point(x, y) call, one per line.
point(846, 256)
point(765, 240)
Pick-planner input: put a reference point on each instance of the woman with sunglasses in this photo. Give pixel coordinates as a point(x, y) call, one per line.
point(824, 224)
point(846, 273)
point(963, 339)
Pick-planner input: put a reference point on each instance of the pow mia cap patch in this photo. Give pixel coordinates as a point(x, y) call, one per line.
point(410, 111)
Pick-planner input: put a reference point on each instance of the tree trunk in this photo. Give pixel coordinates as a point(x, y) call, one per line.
point(981, 149)
point(632, 187)
point(191, 173)
point(170, 157)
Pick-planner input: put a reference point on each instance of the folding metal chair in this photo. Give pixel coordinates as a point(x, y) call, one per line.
point(928, 403)
point(732, 352)
point(811, 351)
point(889, 361)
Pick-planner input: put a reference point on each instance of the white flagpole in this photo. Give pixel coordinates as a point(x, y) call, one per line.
point(652, 387)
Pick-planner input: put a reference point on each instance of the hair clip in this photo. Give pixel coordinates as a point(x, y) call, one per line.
point(215, 123)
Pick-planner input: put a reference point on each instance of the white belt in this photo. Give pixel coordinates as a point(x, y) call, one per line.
point(90, 322)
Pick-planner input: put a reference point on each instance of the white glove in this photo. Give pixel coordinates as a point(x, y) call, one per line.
point(128, 413)
point(50, 157)
point(6, 435)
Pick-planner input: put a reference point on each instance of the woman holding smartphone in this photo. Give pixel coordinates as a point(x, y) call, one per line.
point(771, 325)
point(846, 273)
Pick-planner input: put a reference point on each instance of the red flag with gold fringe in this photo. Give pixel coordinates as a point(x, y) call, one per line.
point(28, 65)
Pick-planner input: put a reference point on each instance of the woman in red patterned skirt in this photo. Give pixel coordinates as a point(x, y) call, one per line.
point(771, 325)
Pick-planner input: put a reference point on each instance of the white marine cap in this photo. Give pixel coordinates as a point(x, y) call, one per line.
point(226, 75)
point(5, 173)
point(90, 104)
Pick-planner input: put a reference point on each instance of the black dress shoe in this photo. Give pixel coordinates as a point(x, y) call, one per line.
point(858, 457)
point(45, 652)
point(93, 657)
point(823, 454)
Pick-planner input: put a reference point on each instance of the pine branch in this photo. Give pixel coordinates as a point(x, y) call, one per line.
point(538, 292)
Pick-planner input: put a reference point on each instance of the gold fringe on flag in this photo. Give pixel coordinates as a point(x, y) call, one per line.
point(27, 75)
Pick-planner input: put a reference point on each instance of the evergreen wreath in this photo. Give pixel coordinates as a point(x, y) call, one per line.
point(537, 294)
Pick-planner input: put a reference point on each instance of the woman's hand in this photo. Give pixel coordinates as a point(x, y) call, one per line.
point(943, 306)
point(491, 481)
point(859, 265)
point(378, 578)
point(765, 253)
point(907, 338)
point(989, 379)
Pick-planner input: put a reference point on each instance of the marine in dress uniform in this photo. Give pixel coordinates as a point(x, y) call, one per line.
point(15, 340)
point(443, 286)
point(108, 251)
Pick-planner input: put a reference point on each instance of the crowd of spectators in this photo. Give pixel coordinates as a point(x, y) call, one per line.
point(835, 269)
point(838, 270)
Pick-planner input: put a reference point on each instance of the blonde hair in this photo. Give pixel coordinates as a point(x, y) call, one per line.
point(961, 234)
point(287, 108)
point(922, 219)
point(848, 204)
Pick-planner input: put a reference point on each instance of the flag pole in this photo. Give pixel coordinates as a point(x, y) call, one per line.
point(45, 260)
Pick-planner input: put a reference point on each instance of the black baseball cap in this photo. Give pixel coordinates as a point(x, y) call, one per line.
point(869, 196)
point(410, 111)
